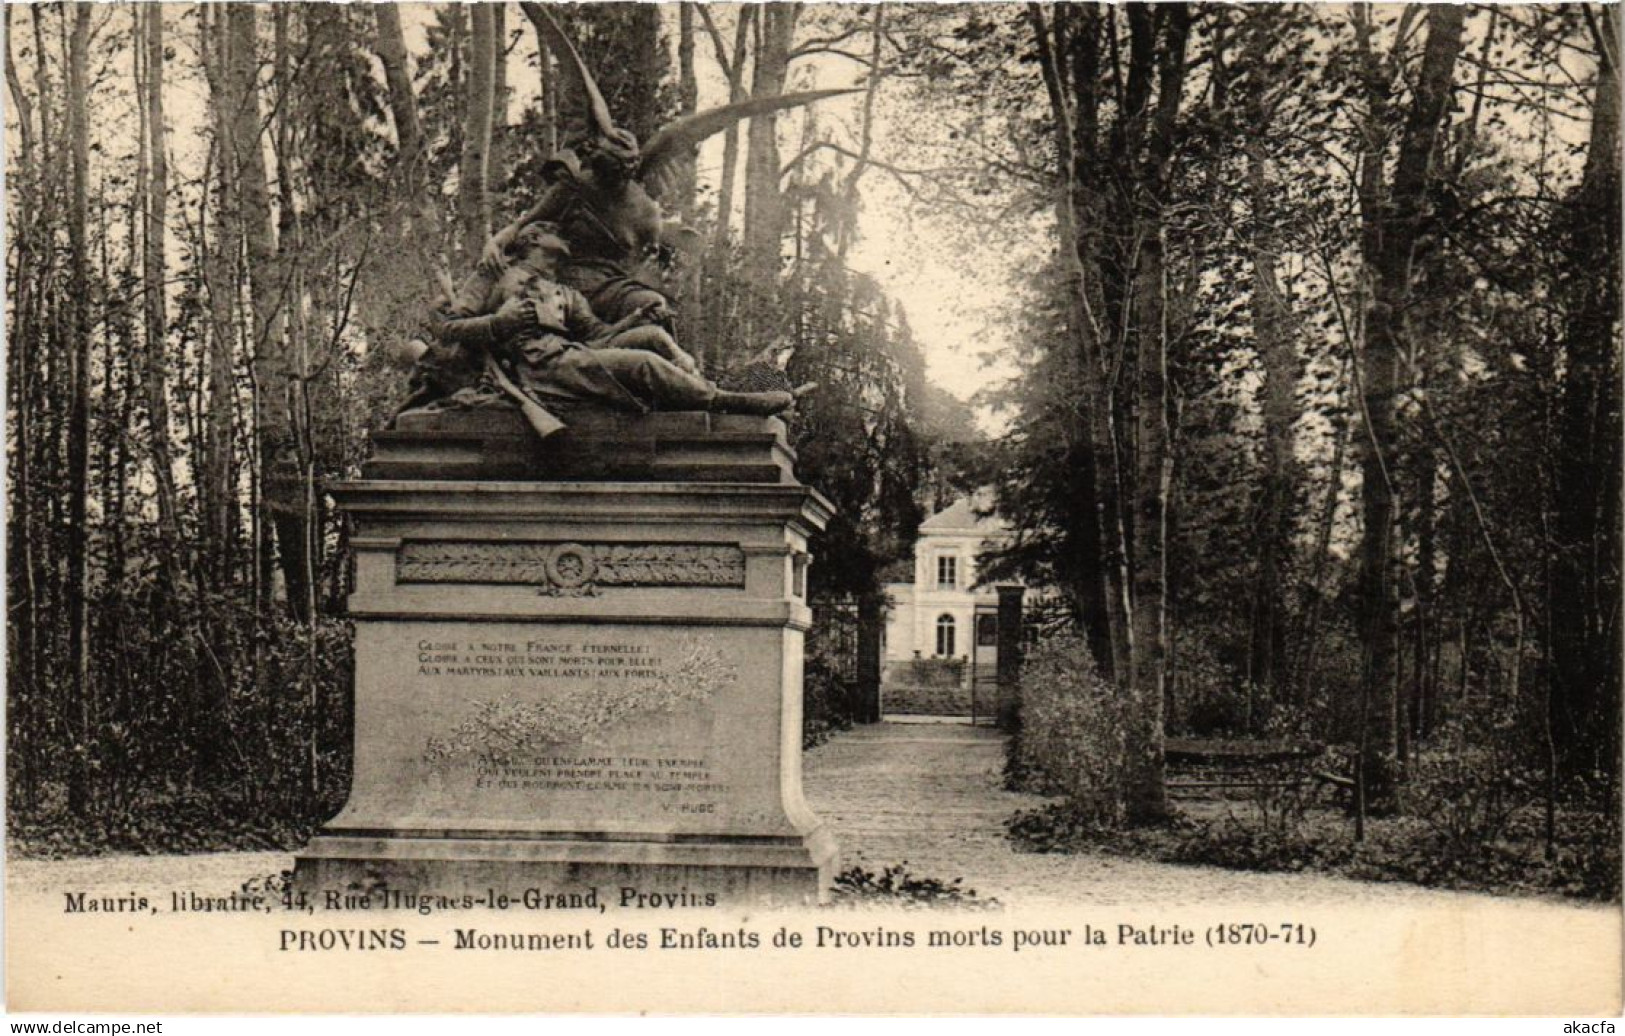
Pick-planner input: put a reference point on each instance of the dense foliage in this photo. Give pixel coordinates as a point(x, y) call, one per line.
point(225, 222)
point(1316, 408)
point(1309, 316)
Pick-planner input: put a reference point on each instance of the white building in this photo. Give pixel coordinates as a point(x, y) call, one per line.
point(938, 615)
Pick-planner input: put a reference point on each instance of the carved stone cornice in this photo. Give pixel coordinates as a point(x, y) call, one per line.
point(571, 568)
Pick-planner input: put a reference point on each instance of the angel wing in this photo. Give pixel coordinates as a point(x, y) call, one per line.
point(575, 70)
point(661, 153)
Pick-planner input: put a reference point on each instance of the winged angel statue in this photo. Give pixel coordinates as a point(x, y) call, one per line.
point(554, 313)
point(604, 187)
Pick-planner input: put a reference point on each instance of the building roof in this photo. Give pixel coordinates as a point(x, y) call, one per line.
point(961, 517)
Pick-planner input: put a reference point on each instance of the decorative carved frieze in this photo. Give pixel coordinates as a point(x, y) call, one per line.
point(571, 568)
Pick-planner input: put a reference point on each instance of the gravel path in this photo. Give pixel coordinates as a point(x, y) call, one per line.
point(933, 796)
point(928, 795)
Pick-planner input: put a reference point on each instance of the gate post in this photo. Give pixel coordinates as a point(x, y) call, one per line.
point(1009, 670)
point(871, 617)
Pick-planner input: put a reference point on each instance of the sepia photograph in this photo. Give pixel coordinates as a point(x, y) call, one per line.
point(813, 508)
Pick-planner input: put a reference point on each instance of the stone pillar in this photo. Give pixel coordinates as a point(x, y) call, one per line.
point(871, 622)
point(1009, 668)
point(579, 685)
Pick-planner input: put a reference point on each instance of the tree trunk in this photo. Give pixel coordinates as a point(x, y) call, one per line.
point(765, 212)
point(1106, 556)
point(473, 197)
point(403, 105)
point(496, 160)
point(78, 567)
point(217, 491)
point(1586, 561)
point(276, 378)
point(1153, 459)
point(688, 96)
point(846, 230)
point(1278, 492)
point(1391, 228)
point(1147, 797)
point(21, 329)
point(718, 292)
point(154, 271)
point(1308, 638)
point(1426, 477)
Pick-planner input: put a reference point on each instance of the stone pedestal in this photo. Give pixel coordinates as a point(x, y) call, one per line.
point(570, 685)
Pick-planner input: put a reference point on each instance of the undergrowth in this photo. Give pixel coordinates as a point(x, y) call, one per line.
point(894, 885)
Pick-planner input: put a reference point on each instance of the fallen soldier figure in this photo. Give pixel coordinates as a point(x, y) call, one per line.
point(543, 346)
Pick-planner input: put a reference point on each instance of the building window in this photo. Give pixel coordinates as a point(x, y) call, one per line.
point(945, 636)
point(947, 571)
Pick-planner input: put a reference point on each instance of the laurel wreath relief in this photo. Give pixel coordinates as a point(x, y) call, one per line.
point(562, 568)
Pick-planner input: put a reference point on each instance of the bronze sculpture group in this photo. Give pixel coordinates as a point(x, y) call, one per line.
point(554, 314)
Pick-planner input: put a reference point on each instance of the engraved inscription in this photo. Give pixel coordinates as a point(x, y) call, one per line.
point(571, 568)
point(688, 782)
point(585, 689)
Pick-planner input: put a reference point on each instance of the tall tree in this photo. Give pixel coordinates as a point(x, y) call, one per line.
point(277, 378)
point(1272, 332)
point(78, 437)
point(391, 47)
point(1586, 563)
point(220, 241)
point(473, 193)
point(765, 213)
point(1392, 224)
point(1113, 207)
point(718, 250)
point(154, 275)
point(1147, 794)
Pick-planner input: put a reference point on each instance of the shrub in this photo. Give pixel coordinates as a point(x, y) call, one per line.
point(249, 749)
point(1207, 697)
point(928, 672)
point(1072, 734)
point(896, 885)
point(1472, 778)
point(826, 697)
point(1054, 828)
point(1239, 845)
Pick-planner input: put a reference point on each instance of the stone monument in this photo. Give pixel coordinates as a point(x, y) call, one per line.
point(578, 662)
point(580, 601)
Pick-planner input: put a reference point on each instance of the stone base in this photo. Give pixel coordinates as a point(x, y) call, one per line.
point(571, 685)
point(596, 445)
point(712, 873)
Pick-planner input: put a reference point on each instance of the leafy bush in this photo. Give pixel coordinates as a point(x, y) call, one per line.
point(928, 672)
point(250, 750)
point(1054, 828)
point(1585, 864)
point(1072, 736)
point(1586, 861)
point(1208, 700)
point(896, 885)
point(826, 696)
point(1472, 778)
point(1240, 845)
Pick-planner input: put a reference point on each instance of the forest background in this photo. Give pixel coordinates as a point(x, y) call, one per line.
point(1304, 385)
